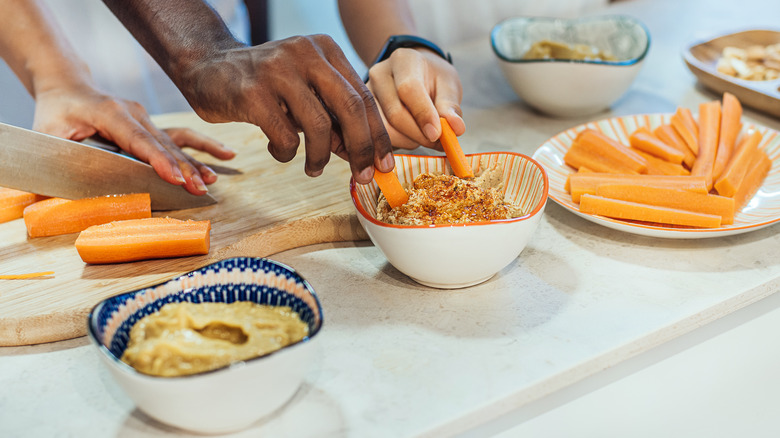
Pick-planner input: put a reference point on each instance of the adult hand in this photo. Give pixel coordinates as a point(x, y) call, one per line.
point(80, 112)
point(303, 83)
point(414, 87)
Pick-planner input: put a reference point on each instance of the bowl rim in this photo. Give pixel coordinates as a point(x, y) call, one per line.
point(623, 63)
point(546, 183)
point(122, 366)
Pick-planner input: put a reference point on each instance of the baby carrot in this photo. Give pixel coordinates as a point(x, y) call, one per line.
point(759, 168)
point(658, 166)
point(645, 141)
point(686, 126)
point(709, 129)
point(672, 198)
point(730, 124)
point(600, 153)
point(455, 156)
point(587, 183)
point(618, 209)
point(729, 180)
point(391, 187)
point(668, 135)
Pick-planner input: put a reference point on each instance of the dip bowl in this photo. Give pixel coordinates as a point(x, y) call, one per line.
point(449, 256)
point(225, 399)
point(569, 87)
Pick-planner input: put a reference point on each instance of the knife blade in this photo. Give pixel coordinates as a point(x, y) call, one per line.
point(52, 166)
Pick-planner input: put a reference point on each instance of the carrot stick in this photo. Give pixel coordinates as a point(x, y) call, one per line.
point(618, 209)
point(567, 184)
point(587, 183)
point(645, 141)
point(455, 156)
point(730, 124)
point(729, 180)
point(672, 198)
point(759, 168)
point(57, 216)
point(13, 203)
point(600, 153)
point(658, 166)
point(391, 187)
point(686, 126)
point(668, 135)
point(26, 276)
point(709, 128)
point(142, 239)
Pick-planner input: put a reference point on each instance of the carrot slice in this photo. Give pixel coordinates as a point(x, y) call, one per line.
point(672, 198)
point(686, 126)
point(600, 153)
point(668, 135)
point(455, 156)
point(26, 276)
point(658, 166)
point(142, 239)
point(644, 140)
point(587, 183)
point(391, 187)
point(730, 125)
point(57, 216)
point(759, 168)
point(618, 209)
point(13, 203)
point(709, 129)
point(729, 180)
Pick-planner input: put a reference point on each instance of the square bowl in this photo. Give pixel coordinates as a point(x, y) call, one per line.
point(569, 87)
point(451, 256)
point(224, 399)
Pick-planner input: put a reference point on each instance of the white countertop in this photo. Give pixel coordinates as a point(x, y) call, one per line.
point(590, 332)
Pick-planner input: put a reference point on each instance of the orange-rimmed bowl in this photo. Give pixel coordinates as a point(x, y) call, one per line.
point(457, 255)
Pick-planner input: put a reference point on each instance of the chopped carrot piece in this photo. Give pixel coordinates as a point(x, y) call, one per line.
point(658, 166)
point(759, 168)
point(455, 156)
point(567, 184)
point(142, 239)
point(587, 183)
point(672, 198)
point(644, 140)
point(729, 180)
point(13, 203)
point(618, 209)
point(391, 187)
point(26, 276)
point(730, 125)
point(668, 135)
point(686, 126)
point(57, 216)
point(709, 129)
point(600, 153)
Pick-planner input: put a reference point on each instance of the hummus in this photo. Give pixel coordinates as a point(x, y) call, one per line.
point(188, 338)
point(447, 199)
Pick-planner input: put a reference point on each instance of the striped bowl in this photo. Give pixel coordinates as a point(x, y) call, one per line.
point(225, 399)
point(457, 255)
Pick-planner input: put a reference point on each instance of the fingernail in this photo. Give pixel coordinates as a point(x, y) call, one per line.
point(430, 132)
point(315, 173)
point(177, 175)
point(366, 174)
point(388, 162)
point(199, 183)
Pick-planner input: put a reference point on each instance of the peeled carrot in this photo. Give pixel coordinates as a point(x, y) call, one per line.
point(600, 153)
point(730, 125)
point(455, 156)
point(13, 203)
point(759, 168)
point(142, 239)
point(658, 166)
point(618, 209)
point(567, 184)
point(587, 183)
point(672, 198)
point(709, 129)
point(686, 126)
point(57, 216)
point(391, 187)
point(645, 141)
point(668, 135)
point(26, 276)
point(729, 180)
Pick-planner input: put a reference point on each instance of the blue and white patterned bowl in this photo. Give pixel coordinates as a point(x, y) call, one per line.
point(228, 398)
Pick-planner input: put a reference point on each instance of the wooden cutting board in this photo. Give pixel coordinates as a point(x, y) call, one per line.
point(264, 207)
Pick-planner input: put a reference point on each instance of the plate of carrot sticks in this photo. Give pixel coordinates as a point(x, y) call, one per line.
point(684, 175)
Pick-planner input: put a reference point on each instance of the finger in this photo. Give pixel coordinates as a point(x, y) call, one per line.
point(409, 74)
point(399, 140)
point(186, 137)
point(308, 112)
point(447, 102)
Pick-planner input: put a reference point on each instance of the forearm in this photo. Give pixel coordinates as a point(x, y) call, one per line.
point(370, 23)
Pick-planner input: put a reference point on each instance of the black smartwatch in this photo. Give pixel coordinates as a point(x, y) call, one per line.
point(407, 41)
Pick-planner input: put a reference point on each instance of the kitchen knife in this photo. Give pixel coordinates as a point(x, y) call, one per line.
point(52, 166)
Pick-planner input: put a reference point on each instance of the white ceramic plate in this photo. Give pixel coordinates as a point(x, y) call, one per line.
point(763, 210)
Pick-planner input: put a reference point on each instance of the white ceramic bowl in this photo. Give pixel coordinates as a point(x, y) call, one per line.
point(225, 399)
point(460, 255)
point(571, 88)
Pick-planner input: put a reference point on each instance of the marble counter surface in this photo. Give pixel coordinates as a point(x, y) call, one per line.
point(585, 316)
